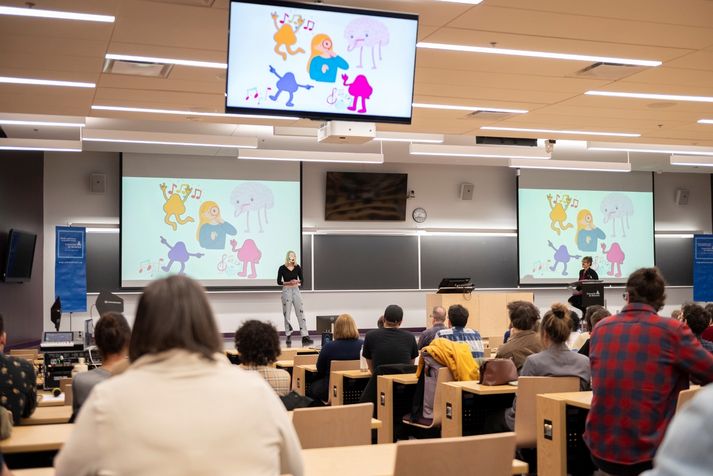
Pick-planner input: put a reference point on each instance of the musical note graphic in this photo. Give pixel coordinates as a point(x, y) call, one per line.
point(310, 25)
point(144, 265)
point(197, 193)
point(185, 189)
point(222, 265)
point(575, 203)
point(251, 93)
point(332, 98)
point(173, 188)
point(285, 19)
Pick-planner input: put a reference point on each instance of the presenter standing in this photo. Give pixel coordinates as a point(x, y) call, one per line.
point(586, 273)
point(289, 276)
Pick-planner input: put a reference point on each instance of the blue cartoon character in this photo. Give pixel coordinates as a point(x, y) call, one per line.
point(587, 232)
point(561, 256)
point(324, 62)
point(212, 228)
point(178, 253)
point(287, 83)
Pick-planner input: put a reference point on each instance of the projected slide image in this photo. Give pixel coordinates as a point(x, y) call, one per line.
point(557, 228)
point(220, 232)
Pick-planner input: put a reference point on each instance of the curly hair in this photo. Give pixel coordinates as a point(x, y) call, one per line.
point(696, 317)
point(257, 343)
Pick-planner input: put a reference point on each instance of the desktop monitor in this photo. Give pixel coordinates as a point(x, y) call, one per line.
point(325, 323)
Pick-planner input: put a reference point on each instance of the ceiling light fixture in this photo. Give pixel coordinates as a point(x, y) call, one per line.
point(311, 156)
point(178, 112)
point(468, 108)
point(37, 13)
point(486, 151)
point(705, 121)
point(40, 120)
point(559, 131)
point(467, 2)
point(589, 166)
point(650, 148)
point(41, 144)
point(536, 54)
point(662, 97)
point(692, 161)
point(403, 137)
point(160, 138)
point(152, 59)
point(45, 82)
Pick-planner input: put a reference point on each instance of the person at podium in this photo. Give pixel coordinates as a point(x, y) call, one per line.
point(586, 273)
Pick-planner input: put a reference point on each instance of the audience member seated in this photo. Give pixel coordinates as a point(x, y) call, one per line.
point(708, 333)
point(677, 314)
point(345, 346)
point(576, 324)
point(556, 360)
point(687, 449)
point(380, 322)
point(258, 345)
point(593, 315)
point(18, 383)
point(640, 362)
point(438, 322)
point(697, 319)
point(112, 335)
point(181, 408)
point(523, 341)
point(457, 332)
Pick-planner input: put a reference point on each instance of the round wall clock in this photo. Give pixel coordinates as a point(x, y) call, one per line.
point(419, 215)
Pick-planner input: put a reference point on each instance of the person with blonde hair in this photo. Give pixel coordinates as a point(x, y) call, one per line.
point(324, 63)
point(181, 403)
point(345, 346)
point(212, 229)
point(289, 276)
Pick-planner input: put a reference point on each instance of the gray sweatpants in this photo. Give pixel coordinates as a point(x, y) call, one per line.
point(291, 297)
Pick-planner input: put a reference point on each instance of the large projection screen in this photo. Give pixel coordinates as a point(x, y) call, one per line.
point(564, 216)
point(223, 222)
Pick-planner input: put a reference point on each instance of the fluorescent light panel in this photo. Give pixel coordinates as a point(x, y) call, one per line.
point(705, 121)
point(37, 13)
point(311, 156)
point(692, 161)
point(467, 2)
point(572, 165)
point(468, 108)
point(402, 137)
point(485, 151)
point(11, 119)
point(559, 131)
point(178, 112)
point(537, 54)
point(152, 59)
point(160, 138)
point(41, 144)
point(662, 97)
point(45, 82)
point(651, 148)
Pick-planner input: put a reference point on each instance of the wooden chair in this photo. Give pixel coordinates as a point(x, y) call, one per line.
point(308, 359)
point(327, 427)
point(65, 385)
point(490, 455)
point(337, 365)
point(444, 375)
point(290, 353)
point(684, 396)
point(526, 411)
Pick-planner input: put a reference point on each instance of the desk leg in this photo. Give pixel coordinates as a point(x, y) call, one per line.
point(551, 436)
point(298, 380)
point(385, 408)
point(452, 411)
point(336, 394)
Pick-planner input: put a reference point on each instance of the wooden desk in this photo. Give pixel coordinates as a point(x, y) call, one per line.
point(394, 396)
point(49, 415)
point(375, 424)
point(49, 403)
point(285, 364)
point(347, 386)
point(552, 414)
point(302, 376)
point(486, 396)
point(363, 460)
point(33, 472)
point(33, 438)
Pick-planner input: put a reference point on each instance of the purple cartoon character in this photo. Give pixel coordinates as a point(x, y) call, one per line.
point(561, 256)
point(248, 254)
point(359, 88)
point(178, 253)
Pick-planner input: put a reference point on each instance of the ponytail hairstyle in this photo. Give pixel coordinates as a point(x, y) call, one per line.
point(556, 324)
point(647, 286)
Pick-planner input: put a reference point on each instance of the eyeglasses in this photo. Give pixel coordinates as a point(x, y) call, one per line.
point(625, 296)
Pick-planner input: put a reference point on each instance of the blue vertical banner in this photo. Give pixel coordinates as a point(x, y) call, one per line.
point(70, 268)
point(703, 267)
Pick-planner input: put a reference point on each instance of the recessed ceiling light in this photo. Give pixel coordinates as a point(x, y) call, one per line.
point(32, 12)
point(189, 113)
point(666, 97)
point(467, 2)
point(693, 161)
point(45, 82)
point(13, 122)
point(559, 131)
point(160, 138)
point(41, 144)
point(311, 156)
point(651, 148)
point(467, 108)
point(705, 121)
point(536, 54)
point(579, 165)
point(485, 151)
point(152, 59)
point(405, 137)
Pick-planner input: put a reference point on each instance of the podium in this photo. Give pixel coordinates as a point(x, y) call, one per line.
point(487, 312)
point(592, 293)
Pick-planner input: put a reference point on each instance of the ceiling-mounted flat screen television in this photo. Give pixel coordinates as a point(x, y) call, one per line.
point(19, 257)
point(360, 196)
point(320, 62)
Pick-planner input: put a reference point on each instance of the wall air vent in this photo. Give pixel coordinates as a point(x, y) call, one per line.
point(137, 68)
point(608, 71)
point(485, 115)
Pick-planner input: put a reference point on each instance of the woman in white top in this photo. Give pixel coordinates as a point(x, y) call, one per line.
point(181, 408)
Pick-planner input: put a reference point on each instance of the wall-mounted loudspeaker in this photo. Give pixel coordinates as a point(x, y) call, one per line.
point(682, 196)
point(97, 183)
point(466, 191)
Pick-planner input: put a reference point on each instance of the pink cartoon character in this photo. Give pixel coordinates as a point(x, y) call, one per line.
point(248, 254)
point(359, 88)
point(615, 255)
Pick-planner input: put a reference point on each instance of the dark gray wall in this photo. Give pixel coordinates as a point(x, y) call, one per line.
point(21, 207)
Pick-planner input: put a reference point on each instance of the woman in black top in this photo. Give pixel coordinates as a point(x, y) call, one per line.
point(586, 273)
point(290, 277)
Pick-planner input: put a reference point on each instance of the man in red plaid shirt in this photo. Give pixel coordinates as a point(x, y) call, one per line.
point(640, 361)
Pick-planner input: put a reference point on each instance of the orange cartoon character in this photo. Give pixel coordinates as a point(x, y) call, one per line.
point(286, 36)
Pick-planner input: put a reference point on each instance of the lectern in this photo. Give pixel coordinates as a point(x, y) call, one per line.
point(592, 293)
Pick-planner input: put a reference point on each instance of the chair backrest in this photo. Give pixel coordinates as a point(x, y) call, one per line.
point(684, 396)
point(326, 427)
point(65, 385)
point(308, 359)
point(484, 454)
point(337, 365)
point(29, 354)
point(526, 412)
point(444, 375)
